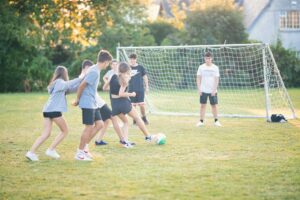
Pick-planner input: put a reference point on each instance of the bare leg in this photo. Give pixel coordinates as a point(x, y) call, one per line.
point(125, 126)
point(85, 136)
point(46, 133)
point(98, 126)
point(117, 127)
point(143, 110)
point(103, 130)
point(133, 114)
point(202, 111)
point(61, 123)
point(214, 111)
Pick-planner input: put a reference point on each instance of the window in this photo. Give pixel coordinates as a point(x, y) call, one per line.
point(290, 20)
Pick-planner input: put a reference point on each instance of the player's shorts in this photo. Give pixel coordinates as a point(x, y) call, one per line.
point(105, 112)
point(139, 99)
point(89, 116)
point(52, 115)
point(212, 99)
point(120, 105)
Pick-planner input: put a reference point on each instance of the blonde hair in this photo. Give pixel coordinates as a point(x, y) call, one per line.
point(124, 73)
point(60, 72)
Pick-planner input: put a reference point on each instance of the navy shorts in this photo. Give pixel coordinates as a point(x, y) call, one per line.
point(212, 99)
point(139, 98)
point(52, 115)
point(89, 116)
point(105, 112)
point(120, 105)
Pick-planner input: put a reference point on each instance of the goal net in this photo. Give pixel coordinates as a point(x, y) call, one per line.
point(250, 82)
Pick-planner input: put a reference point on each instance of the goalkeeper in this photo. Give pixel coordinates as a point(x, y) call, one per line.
point(207, 82)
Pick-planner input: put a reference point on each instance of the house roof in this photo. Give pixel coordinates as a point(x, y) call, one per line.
point(253, 9)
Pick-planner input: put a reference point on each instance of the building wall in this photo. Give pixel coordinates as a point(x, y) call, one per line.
point(266, 28)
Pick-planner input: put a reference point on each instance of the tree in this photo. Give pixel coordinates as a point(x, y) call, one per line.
point(211, 22)
point(288, 64)
point(18, 52)
point(160, 30)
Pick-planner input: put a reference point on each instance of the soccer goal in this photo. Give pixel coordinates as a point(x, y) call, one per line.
point(250, 82)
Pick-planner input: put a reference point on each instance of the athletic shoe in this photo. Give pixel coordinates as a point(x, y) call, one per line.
point(88, 154)
point(148, 138)
point(100, 143)
point(32, 156)
point(199, 124)
point(126, 144)
point(52, 153)
point(80, 155)
point(217, 123)
point(131, 143)
point(145, 120)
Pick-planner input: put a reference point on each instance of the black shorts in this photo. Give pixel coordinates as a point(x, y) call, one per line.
point(105, 112)
point(89, 116)
point(52, 115)
point(121, 105)
point(212, 99)
point(139, 98)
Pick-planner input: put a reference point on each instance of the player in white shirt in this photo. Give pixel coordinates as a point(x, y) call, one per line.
point(207, 82)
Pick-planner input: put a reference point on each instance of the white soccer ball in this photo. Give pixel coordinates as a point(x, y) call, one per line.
point(160, 138)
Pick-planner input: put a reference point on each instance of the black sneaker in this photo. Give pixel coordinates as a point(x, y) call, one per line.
point(145, 120)
point(100, 143)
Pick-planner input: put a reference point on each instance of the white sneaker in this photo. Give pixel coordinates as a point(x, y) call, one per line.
point(32, 156)
point(52, 154)
point(199, 124)
point(88, 154)
point(80, 155)
point(217, 123)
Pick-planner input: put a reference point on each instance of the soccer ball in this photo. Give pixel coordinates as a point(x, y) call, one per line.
point(159, 138)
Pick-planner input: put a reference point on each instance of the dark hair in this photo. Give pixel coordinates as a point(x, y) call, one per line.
point(124, 67)
point(208, 54)
point(60, 72)
point(133, 56)
point(86, 63)
point(104, 56)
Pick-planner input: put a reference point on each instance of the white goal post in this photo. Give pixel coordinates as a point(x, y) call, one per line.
point(250, 82)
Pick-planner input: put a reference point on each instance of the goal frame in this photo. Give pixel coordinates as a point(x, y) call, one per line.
point(153, 110)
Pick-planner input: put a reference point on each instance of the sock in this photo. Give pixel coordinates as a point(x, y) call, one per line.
point(216, 119)
point(86, 147)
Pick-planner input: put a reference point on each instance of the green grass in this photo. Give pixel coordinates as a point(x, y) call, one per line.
point(247, 102)
point(245, 159)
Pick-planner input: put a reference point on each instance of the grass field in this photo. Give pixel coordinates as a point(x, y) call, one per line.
point(244, 159)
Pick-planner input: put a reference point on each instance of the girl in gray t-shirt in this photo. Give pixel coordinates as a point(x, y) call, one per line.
point(58, 88)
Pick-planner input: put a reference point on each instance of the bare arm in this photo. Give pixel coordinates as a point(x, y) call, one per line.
point(216, 84)
point(123, 93)
point(81, 87)
point(145, 77)
point(199, 79)
point(106, 86)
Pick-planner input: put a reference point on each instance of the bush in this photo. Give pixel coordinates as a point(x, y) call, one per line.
point(288, 64)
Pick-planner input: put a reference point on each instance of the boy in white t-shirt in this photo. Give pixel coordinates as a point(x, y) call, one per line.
point(207, 82)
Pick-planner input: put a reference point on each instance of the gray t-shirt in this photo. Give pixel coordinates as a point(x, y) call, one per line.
point(57, 101)
point(88, 96)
